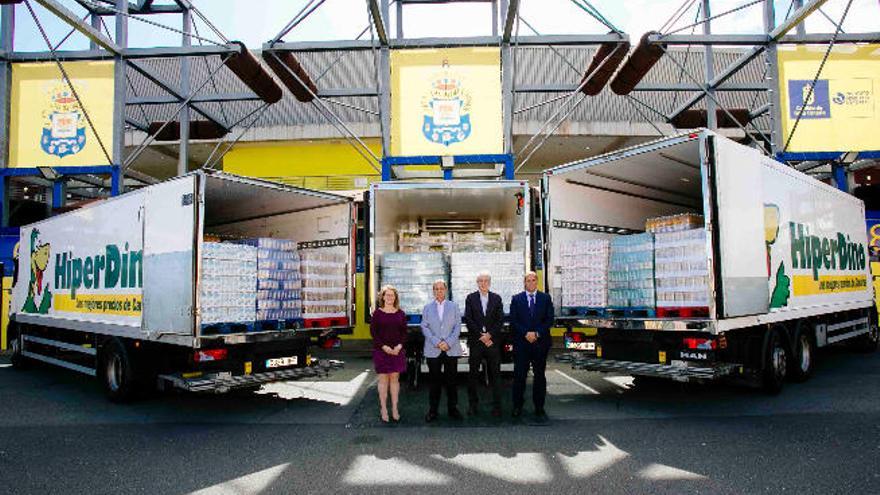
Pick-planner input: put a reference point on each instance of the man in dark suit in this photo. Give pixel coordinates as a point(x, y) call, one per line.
point(484, 317)
point(531, 316)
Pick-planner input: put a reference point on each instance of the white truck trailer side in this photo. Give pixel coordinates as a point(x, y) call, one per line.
point(115, 289)
point(785, 258)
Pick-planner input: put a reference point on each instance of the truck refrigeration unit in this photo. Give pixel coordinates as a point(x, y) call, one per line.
point(452, 230)
point(205, 282)
point(697, 258)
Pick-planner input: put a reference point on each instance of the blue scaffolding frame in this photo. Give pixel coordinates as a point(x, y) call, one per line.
point(391, 161)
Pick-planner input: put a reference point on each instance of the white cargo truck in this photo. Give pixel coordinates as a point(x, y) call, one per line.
point(120, 289)
point(776, 268)
point(421, 231)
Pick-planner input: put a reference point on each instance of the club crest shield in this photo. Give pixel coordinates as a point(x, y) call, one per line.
point(64, 125)
point(446, 108)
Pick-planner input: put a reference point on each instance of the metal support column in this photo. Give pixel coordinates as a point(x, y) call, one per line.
point(838, 170)
point(399, 34)
point(801, 27)
point(507, 74)
point(7, 33)
point(183, 149)
point(95, 21)
point(119, 85)
point(494, 17)
point(385, 84)
point(775, 110)
point(59, 193)
point(711, 107)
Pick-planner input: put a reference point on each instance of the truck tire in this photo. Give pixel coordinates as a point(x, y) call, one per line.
point(19, 362)
point(869, 342)
point(116, 372)
point(802, 361)
point(775, 363)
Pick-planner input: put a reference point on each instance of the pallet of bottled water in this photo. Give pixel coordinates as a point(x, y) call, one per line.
point(682, 269)
point(631, 271)
point(228, 287)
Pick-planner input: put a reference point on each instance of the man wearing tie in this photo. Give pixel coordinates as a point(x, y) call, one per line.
point(441, 326)
point(484, 317)
point(531, 316)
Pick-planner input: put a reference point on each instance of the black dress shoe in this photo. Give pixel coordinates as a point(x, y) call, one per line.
point(496, 412)
point(540, 414)
point(472, 410)
point(430, 417)
point(517, 412)
point(454, 414)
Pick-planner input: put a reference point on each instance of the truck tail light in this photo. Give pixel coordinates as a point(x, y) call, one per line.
point(699, 344)
point(207, 355)
point(575, 337)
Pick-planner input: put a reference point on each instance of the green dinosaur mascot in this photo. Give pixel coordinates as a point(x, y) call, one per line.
point(39, 262)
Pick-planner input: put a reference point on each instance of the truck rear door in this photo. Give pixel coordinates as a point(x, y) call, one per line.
point(738, 227)
point(170, 211)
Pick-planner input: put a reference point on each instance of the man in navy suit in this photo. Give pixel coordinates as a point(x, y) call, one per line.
point(531, 316)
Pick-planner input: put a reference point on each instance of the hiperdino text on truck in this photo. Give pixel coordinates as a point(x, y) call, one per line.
point(816, 246)
point(85, 270)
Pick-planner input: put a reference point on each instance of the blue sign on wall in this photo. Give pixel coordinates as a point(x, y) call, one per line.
point(816, 104)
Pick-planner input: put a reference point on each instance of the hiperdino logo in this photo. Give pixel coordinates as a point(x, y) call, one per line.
point(115, 268)
point(822, 254)
point(818, 253)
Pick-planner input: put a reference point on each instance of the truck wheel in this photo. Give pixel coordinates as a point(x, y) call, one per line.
point(775, 363)
point(18, 360)
point(116, 372)
point(802, 362)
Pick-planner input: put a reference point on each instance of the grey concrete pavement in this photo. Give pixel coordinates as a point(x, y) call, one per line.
point(59, 435)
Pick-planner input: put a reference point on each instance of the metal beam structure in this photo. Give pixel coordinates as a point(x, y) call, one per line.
point(75, 22)
point(760, 44)
point(106, 46)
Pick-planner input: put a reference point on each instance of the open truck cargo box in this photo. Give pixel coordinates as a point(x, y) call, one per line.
point(779, 245)
point(131, 266)
point(450, 207)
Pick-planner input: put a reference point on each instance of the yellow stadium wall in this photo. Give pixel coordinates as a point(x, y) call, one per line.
point(290, 160)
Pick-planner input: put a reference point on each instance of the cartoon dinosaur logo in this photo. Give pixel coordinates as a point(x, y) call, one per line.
point(39, 262)
point(782, 290)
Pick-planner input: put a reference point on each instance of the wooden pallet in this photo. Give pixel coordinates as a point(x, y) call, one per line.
point(585, 311)
point(683, 312)
point(227, 328)
point(337, 321)
point(631, 312)
point(289, 324)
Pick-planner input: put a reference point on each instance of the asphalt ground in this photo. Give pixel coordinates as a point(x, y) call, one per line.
point(59, 435)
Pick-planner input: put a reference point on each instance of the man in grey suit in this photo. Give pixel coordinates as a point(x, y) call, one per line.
point(441, 326)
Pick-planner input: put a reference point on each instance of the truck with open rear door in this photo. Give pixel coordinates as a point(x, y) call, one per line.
point(747, 266)
point(419, 232)
point(205, 282)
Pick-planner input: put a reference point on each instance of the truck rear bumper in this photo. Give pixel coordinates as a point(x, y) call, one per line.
point(682, 371)
point(224, 382)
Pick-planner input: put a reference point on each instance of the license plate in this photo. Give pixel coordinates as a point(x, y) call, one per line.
point(281, 362)
point(581, 346)
point(465, 352)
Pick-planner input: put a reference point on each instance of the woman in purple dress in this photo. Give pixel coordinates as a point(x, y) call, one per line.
point(388, 329)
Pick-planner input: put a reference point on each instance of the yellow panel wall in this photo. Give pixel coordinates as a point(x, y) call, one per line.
point(310, 158)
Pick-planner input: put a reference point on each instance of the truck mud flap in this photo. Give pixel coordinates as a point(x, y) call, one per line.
point(675, 372)
point(222, 383)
